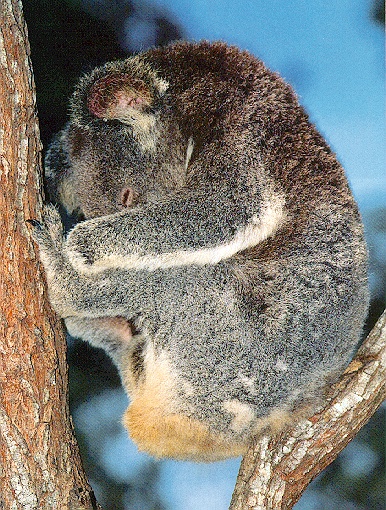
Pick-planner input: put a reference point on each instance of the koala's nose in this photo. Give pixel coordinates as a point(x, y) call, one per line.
point(128, 197)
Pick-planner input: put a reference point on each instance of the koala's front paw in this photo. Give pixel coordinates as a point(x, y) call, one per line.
point(98, 244)
point(81, 246)
point(92, 244)
point(48, 234)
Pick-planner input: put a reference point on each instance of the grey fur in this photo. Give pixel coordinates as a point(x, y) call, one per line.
point(243, 260)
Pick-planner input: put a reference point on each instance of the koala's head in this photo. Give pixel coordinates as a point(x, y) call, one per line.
point(120, 147)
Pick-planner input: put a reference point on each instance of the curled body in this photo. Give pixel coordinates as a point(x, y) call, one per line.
point(220, 261)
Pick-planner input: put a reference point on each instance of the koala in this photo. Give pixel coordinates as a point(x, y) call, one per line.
point(219, 257)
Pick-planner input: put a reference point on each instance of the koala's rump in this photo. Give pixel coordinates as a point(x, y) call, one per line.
point(247, 341)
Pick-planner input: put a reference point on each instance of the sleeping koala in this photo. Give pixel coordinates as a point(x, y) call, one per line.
point(221, 261)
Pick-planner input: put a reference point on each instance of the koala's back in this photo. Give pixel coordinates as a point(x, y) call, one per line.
point(219, 93)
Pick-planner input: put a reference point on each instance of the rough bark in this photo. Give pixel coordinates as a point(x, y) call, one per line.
point(40, 465)
point(277, 468)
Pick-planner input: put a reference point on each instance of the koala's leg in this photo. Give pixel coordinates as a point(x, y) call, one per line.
point(113, 334)
point(157, 418)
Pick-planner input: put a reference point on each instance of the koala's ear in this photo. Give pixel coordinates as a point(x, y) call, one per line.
point(119, 96)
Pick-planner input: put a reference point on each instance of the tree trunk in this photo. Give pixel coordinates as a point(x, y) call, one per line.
point(40, 465)
point(277, 469)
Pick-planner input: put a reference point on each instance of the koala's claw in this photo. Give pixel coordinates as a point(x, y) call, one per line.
point(36, 224)
point(38, 233)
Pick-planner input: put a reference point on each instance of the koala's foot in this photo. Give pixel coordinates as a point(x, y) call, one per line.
point(113, 334)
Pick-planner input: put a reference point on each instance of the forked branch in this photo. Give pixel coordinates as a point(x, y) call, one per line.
point(278, 468)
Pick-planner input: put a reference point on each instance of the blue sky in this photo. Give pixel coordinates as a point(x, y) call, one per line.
point(332, 52)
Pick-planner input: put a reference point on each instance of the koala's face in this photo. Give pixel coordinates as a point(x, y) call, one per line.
point(109, 169)
point(121, 149)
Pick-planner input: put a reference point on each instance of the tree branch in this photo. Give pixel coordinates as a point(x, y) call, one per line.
point(277, 469)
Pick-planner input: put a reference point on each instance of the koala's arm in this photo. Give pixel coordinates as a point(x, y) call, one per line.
point(194, 227)
point(79, 296)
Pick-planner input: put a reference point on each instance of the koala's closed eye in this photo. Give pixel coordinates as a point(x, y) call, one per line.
point(239, 286)
point(128, 197)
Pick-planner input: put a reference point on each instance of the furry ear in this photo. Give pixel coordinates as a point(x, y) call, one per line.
point(118, 96)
